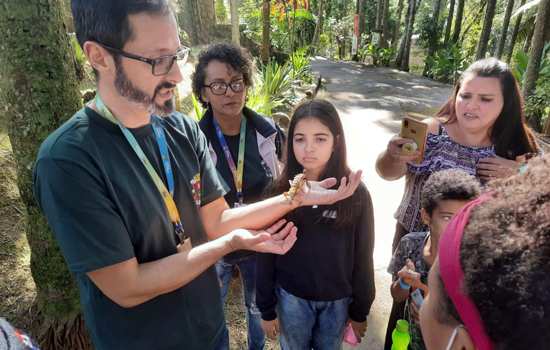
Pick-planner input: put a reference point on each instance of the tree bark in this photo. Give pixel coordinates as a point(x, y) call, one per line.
point(449, 22)
point(535, 55)
point(38, 92)
point(384, 25)
point(514, 37)
point(395, 36)
point(458, 21)
point(197, 17)
point(402, 59)
point(529, 38)
point(379, 14)
point(266, 29)
point(235, 33)
point(486, 31)
point(360, 10)
point(318, 25)
point(504, 32)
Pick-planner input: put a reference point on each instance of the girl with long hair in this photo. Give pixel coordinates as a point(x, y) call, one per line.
point(326, 281)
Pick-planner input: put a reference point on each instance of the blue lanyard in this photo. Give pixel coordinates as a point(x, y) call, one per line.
point(165, 156)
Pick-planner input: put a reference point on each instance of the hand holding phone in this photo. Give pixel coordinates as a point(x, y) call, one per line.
point(415, 129)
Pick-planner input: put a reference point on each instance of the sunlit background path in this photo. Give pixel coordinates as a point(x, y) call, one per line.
point(371, 102)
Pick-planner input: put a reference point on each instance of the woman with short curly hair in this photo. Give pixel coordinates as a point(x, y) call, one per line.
point(245, 146)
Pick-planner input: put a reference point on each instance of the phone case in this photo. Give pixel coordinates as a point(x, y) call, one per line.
point(414, 128)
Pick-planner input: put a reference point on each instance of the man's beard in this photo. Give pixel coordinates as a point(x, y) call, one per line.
point(127, 89)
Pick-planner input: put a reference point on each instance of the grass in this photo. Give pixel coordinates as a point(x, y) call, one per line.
point(235, 315)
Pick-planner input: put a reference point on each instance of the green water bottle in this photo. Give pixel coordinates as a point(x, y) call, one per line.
point(400, 336)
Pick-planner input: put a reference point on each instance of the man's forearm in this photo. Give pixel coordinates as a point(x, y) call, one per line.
point(254, 216)
point(134, 284)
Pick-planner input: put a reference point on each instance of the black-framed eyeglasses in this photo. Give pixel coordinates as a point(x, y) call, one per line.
point(220, 88)
point(159, 65)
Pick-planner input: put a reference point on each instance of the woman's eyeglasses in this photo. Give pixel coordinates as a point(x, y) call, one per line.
point(220, 88)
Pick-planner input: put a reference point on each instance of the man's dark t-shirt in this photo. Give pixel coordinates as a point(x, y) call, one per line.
point(105, 209)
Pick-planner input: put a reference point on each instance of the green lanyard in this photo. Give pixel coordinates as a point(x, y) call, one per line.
point(237, 171)
point(166, 196)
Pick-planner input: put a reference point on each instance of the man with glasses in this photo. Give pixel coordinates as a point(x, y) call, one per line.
point(132, 196)
point(237, 135)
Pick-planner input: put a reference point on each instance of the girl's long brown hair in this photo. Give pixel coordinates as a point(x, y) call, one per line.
point(337, 165)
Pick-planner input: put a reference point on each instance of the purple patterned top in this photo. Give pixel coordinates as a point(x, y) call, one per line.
point(441, 153)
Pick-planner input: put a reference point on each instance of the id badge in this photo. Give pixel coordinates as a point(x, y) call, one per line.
point(196, 189)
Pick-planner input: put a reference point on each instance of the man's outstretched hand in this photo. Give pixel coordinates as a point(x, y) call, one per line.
point(276, 239)
point(319, 192)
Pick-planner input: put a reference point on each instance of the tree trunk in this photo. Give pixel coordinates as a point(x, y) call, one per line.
point(515, 31)
point(39, 91)
point(385, 35)
point(486, 31)
point(434, 35)
point(458, 21)
point(403, 42)
point(266, 29)
point(360, 10)
point(318, 25)
point(379, 14)
point(529, 38)
point(449, 22)
point(207, 10)
point(535, 55)
point(196, 18)
point(505, 23)
point(235, 33)
point(405, 62)
point(402, 59)
point(395, 36)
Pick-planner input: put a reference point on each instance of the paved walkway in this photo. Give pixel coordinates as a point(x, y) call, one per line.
point(371, 102)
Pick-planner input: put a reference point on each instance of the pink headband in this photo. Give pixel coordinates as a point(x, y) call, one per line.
point(453, 277)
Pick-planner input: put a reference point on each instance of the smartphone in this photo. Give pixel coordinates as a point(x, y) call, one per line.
point(414, 128)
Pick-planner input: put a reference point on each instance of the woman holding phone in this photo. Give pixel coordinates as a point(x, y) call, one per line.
point(481, 130)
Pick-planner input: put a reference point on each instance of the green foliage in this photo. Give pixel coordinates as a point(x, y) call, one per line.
point(197, 107)
point(429, 31)
point(447, 64)
point(78, 53)
point(380, 56)
point(272, 88)
point(300, 63)
point(521, 60)
point(537, 106)
point(221, 12)
point(274, 85)
point(251, 15)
